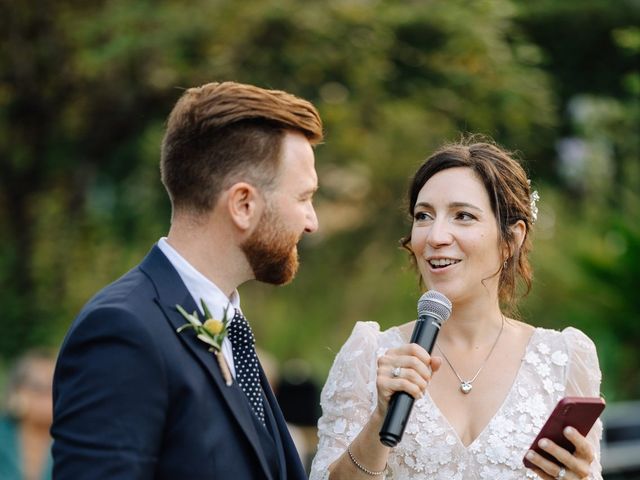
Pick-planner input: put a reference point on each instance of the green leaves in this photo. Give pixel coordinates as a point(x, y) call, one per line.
point(212, 331)
point(85, 89)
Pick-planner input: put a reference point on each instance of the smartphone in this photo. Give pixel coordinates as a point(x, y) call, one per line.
point(577, 412)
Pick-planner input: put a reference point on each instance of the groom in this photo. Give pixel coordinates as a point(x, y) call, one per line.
point(135, 399)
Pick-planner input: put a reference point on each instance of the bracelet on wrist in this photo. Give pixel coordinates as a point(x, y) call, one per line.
point(362, 468)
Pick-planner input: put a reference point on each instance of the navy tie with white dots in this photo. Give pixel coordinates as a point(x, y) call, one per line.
point(245, 361)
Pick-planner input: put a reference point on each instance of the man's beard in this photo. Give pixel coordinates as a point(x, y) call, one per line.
point(271, 251)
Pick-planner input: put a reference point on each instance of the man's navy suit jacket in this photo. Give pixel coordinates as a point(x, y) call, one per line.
point(133, 399)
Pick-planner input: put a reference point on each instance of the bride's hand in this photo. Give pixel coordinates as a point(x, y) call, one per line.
point(404, 369)
point(577, 465)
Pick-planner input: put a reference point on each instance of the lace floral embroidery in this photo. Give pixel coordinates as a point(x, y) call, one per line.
point(430, 447)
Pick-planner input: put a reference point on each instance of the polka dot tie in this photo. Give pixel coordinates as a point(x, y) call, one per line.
point(245, 361)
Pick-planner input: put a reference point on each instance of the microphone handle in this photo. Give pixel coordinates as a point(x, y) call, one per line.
point(424, 334)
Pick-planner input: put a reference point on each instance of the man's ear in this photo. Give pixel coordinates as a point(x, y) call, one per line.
point(244, 204)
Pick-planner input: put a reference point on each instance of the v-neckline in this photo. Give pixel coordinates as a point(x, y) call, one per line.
point(505, 401)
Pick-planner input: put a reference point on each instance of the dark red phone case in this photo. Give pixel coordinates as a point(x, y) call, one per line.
point(578, 412)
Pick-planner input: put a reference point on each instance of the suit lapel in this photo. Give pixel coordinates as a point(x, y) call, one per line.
point(171, 292)
point(273, 426)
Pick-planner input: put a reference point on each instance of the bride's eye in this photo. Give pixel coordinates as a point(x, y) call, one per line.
point(421, 216)
point(465, 216)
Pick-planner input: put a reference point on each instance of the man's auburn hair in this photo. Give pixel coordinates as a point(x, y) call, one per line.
point(222, 133)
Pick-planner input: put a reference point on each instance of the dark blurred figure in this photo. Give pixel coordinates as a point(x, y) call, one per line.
point(299, 398)
point(25, 443)
point(621, 443)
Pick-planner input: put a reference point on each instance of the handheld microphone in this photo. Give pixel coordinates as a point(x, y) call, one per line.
point(433, 309)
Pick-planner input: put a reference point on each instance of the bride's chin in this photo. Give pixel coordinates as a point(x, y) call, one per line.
point(437, 287)
point(447, 292)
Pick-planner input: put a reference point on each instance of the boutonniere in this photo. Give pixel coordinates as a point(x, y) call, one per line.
point(212, 332)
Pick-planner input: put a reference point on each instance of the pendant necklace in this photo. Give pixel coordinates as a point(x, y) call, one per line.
point(467, 385)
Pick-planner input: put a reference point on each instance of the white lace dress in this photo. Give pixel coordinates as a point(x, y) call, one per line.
point(555, 364)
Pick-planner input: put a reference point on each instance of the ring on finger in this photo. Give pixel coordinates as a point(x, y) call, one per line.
point(561, 474)
point(395, 373)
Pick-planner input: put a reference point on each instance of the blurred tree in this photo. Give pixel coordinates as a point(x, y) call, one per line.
point(577, 39)
point(85, 89)
point(588, 239)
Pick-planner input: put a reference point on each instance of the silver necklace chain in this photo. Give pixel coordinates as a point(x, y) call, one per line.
point(467, 385)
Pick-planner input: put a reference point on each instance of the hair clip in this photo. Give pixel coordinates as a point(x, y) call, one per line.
point(533, 201)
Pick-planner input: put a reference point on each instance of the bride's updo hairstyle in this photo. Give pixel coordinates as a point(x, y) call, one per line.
point(509, 193)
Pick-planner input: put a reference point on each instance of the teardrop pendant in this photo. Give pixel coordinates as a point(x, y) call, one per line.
point(465, 387)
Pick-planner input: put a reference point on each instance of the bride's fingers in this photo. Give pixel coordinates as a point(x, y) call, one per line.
point(408, 382)
point(544, 468)
point(402, 374)
point(405, 385)
point(399, 375)
point(583, 451)
point(577, 462)
point(410, 356)
point(436, 363)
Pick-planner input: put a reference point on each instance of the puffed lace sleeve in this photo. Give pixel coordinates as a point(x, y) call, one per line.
point(583, 380)
point(348, 397)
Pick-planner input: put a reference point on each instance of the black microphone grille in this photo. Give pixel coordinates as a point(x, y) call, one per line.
point(435, 304)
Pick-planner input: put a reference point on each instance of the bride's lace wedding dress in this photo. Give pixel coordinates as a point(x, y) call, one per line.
point(555, 365)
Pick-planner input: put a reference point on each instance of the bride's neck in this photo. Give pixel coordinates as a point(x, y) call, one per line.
point(471, 324)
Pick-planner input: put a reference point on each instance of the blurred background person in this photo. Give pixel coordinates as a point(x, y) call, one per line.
point(25, 443)
point(298, 395)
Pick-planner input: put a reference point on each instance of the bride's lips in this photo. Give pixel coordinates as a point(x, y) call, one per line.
point(441, 264)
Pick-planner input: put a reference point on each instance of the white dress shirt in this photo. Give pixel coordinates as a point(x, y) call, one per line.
point(200, 287)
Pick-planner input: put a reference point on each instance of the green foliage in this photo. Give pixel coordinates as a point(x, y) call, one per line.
point(587, 275)
point(85, 89)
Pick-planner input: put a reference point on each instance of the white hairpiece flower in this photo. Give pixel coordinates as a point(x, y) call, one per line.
point(533, 201)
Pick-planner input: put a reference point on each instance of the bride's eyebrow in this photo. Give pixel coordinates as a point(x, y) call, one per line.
point(465, 205)
point(451, 205)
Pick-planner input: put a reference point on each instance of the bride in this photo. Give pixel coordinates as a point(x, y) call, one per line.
point(492, 380)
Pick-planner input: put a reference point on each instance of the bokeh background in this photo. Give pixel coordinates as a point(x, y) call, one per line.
point(85, 88)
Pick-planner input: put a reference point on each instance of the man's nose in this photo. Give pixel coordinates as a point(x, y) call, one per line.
point(311, 224)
